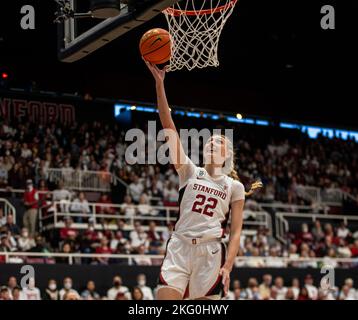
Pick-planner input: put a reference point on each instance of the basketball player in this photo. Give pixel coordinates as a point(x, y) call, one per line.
point(196, 265)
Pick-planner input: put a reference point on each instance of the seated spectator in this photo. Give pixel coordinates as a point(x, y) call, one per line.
point(265, 287)
point(255, 260)
point(117, 288)
point(280, 289)
point(103, 249)
point(67, 289)
point(354, 249)
point(295, 287)
point(80, 205)
point(317, 231)
point(252, 290)
point(142, 260)
point(128, 209)
point(25, 242)
point(137, 294)
point(272, 261)
point(4, 293)
point(51, 292)
point(141, 284)
point(155, 238)
point(30, 292)
point(11, 226)
point(90, 292)
point(68, 233)
point(17, 293)
point(171, 195)
point(342, 231)
point(311, 289)
point(144, 208)
point(2, 217)
point(66, 248)
point(138, 236)
point(105, 208)
point(136, 188)
point(62, 195)
point(11, 284)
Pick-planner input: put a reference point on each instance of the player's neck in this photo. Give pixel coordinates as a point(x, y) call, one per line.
point(214, 171)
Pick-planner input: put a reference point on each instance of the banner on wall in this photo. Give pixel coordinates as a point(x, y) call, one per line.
point(44, 109)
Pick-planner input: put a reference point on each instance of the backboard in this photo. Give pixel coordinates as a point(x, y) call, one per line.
point(80, 34)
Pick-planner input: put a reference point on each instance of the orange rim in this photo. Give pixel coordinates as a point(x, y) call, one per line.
point(179, 12)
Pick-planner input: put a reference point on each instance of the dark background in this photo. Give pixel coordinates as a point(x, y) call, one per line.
point(275, 61)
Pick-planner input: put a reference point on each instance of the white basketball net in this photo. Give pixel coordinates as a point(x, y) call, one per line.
point(195, 27)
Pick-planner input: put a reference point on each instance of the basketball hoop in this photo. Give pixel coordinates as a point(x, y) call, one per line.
point(195, 27)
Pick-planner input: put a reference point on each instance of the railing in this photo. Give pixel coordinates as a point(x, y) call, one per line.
point(132, 259)
point(8, 208)
point(277, 206)
point(62, 209)
point(81, 179)
point(282, 224)
point(328, 196)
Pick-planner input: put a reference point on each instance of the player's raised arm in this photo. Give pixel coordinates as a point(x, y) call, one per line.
point(176, 149)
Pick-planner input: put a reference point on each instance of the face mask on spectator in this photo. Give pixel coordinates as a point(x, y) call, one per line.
point(52, 286)
point(117, 283)
point(25, 234)
point(68, 285)
point(141, 282)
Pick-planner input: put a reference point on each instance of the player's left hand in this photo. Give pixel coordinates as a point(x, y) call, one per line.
point(225, 273)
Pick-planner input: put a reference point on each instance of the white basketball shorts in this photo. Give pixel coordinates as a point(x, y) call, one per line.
point(193, 269)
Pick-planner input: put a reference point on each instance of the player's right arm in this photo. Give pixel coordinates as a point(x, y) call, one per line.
point(177, 153)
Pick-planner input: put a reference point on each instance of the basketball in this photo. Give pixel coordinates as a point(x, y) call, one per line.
point(155, 46)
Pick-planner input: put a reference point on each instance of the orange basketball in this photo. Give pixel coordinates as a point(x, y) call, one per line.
point(155, 46)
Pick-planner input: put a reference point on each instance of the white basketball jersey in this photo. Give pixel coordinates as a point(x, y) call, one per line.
point(204, 202)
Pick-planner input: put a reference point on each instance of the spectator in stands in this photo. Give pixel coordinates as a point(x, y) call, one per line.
point(51, 292)
point(40, 245)
point(272, 261)
point(280, 289)
point(71, 296)
point(80, 205)
point(4, 246)
point(342, 231)
point(171, 195)
point(252, 291)
point(11, 226)
point(138, 236)
point(354, 249)
point(311, 289)
point(11, 284)
point(146, 291)
point(105, 208)
point(31, 199)
point(17, 294)
point(67, 289)
point(25, 242)
point(2, 217)
point(142, 260)
point(136, 188)
point(90, 292)
point(68, 233)
point(289, 294)
point(117, 288)
point(67, 249)
point(317, 231)
point(265, 287)
point(4, 293)
point(155, 238)
point(30, 292)
point(144, 208)
point(351, 291)
point(137, 294)
point(63, 196)
point(303, 294)
point(103, 249)
point(128, 208)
